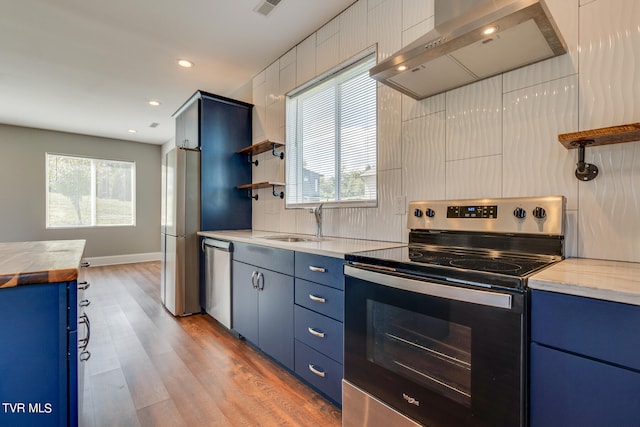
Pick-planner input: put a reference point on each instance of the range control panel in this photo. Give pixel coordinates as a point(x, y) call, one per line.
point(490, 211)
point(529, 215)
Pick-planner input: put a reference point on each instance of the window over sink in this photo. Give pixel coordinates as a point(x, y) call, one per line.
point(86, 192)
point(332, 137)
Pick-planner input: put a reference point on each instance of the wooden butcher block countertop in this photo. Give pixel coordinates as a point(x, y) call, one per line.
point(27, 263)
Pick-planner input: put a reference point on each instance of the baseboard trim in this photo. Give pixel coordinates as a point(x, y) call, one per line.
point(123, 259)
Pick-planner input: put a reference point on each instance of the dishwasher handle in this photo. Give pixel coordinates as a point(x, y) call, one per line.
point(218, 244)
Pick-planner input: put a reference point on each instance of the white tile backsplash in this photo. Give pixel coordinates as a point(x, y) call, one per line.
point(474, 178)
point(423, 157)
point(494, 138)
point(609, 63)
point(535, 163)
point(385, 28)
point(353, 30)
point(474, 120)
point(389, 128)
point(306, 60)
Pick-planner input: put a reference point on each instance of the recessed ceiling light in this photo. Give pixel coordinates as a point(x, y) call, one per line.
point(402, 68)
point(132, 131)
point(154, 103)
point(489, 30)
point(185, 63)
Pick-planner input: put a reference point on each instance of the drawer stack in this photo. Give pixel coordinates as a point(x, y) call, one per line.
point(319, 308)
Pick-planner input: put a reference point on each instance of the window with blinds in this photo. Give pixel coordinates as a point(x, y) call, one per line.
point(331, 138)
point(85, 192)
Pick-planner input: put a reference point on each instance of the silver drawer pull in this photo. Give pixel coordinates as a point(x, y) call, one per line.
point(316, 371)
point(317, 269)
point(316, 299)
point(83, 286)
point(84, 303)
point(315, 332)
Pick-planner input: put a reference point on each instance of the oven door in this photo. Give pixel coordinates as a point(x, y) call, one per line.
point(439, 353)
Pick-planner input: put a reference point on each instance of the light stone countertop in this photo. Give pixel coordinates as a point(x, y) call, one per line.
point(601, 279)
point(335, 247)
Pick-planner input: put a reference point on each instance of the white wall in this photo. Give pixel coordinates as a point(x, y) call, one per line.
point(494, 138)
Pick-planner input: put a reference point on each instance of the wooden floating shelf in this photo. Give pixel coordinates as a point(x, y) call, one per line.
point(260, 147)
point(602, 136)
point(257, 185)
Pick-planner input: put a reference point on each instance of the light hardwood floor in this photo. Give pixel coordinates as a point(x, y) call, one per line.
point(148, 368)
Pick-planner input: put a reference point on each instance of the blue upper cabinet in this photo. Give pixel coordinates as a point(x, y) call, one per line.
point(585, 362)
point(224, 128)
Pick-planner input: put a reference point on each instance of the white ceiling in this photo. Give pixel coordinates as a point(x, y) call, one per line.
point(90, 67)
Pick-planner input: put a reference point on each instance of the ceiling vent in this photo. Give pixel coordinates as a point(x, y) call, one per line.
point(266, 6)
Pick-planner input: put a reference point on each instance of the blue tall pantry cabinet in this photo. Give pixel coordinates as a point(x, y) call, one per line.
point(221, 126)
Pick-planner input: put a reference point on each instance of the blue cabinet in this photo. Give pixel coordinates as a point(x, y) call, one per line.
point(585, 362)
point(319, 314)
point(38, 360)
point(262, 307)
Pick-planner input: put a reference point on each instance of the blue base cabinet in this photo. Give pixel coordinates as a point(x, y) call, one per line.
point(38, 360)
point(584, 362)
point(262, 299)
point(319, 330)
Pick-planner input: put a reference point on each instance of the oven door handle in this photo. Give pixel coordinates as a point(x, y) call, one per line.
point(452, 292)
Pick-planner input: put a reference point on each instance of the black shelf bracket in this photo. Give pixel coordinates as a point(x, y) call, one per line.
point(280, 154)
point(584, 171)
point(277, 194)
point(251, 195)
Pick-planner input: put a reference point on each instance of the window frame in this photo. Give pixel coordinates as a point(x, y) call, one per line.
point(93, 192)
point(369, 54)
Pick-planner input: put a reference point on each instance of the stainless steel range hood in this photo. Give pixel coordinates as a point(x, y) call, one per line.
point(458, 51)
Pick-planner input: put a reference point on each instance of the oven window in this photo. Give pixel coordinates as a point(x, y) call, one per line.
point(426, 350)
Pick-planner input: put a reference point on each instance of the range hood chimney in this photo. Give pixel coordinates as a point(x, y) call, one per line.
point(461, 49)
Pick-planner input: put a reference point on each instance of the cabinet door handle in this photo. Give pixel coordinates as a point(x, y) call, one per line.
point(85, 355)
point(84, 342)
point(253, 280)
point(316, 371)
point(317, 269)
point(260, 281)
point(85, 264)
point(315, 332)
point(84, 285)
point(85, 303)
point(316, 298)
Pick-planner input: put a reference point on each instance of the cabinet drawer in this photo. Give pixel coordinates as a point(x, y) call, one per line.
point(320, 269)
point(569, 390)
point(320, 298)
point(280, 260)
point(320, 371)
point(603, 330)
point(320, 332)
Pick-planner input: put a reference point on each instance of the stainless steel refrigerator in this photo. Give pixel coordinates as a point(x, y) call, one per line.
point(199, 177)
point(180, 292)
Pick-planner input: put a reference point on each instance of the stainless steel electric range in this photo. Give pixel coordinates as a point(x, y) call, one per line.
point(435, 332)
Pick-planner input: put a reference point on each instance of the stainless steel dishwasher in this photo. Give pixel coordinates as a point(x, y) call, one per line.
point(217, 255)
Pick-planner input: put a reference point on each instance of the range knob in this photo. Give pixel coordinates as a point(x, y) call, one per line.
point(430, 213)
point(519, 213)
point(417, 213)
point(539, 213)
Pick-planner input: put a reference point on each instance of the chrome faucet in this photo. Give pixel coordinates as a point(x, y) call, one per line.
point(317, 212)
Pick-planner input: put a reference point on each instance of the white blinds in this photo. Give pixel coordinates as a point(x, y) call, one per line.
point(331, 138)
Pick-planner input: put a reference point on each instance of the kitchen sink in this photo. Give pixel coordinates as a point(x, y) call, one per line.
point(292, 239)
